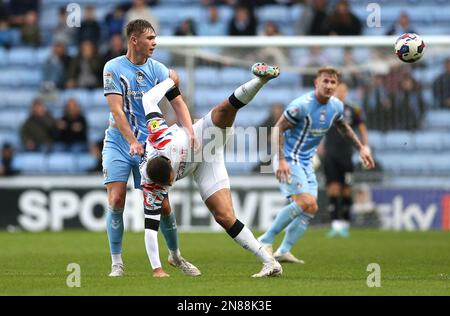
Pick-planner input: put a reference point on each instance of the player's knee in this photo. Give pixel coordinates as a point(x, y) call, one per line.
point(225, 219)
point(307, 203)
point(117, 201)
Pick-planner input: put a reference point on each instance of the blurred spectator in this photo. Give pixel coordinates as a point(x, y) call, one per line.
point(86, 69)
point(38, 131)
point(18, 8)
point(30, 31)
point(313, 18)
point(395, 76)
point(243, 22)
point(186, 28)
point(401, 26)
point(275, 113)
point(54, 70)
point(377, 105)
point(8, 36)
point(441, 87)
point(6, 162)
point(352, 76)
point(408, 105)
point(116, 48)
point(90, 28)
point(62, 32)
point(272, 55)
point(96, 151)
point(213, 26)
point(72, 128)
point(314, 58)
point(140, 10)
point(342, 21)
point(114, 21)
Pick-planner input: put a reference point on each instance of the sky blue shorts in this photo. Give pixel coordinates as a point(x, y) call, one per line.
point(303, 180)
point(116, 160)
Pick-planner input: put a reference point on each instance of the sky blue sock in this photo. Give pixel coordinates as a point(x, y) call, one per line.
point(114, 228)
point(168, 228)
point(283, 218)
point(295, 230)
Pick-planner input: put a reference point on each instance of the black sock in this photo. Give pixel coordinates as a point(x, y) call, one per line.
point(333, 207)
point(347, 203)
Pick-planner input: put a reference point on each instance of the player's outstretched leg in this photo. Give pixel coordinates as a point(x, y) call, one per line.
point(223, 115)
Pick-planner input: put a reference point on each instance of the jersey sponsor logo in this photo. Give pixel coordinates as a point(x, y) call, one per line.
point(154, 125)
point(105, 173)
point(140, 78)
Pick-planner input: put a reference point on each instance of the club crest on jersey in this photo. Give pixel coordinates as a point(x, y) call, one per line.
point(140, 78)
point(322, 117)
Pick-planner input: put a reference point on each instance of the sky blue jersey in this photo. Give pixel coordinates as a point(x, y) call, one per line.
point(311, 121)
point(121, 76)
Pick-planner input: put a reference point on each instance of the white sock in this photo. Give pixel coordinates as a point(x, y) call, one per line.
point(335, 224)
point(151, 98)
point(246, 92)
point(246, 239)
point(151, 245)
point(116, 258)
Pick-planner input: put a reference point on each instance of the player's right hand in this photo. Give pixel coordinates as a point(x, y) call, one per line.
point(160, 273)
point(136, 148)
point(283, 173)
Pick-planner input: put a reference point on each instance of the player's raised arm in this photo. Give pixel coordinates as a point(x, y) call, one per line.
point(115, 103)
point(180, 108)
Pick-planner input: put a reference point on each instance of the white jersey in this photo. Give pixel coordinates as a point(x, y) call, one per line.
point(173, 143)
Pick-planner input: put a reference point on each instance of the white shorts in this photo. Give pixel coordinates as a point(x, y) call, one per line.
point(211, 174)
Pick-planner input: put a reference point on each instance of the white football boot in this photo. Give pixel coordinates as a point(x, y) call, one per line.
point(117, 270)
point(287, 257)
point(269, 269)
point(188, 268)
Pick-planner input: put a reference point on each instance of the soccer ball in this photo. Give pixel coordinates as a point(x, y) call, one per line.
point(409, 47)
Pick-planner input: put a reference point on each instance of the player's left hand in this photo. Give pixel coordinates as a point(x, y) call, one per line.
point(136, 148)
point(366, 157)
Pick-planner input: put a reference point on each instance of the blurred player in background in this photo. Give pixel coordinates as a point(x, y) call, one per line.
point(167, 159)
point(338, 166)
point(303, 125)
point(126, 78)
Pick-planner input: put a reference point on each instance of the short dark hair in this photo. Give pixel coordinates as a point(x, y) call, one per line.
point(329, 70)
point(159, 170)
point(137, 27)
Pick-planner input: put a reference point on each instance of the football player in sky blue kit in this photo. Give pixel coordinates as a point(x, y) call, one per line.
point(301, 128)
point(126, 78)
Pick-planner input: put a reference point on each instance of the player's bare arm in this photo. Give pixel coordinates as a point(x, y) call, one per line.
point(283, 172)
point(350, 135)
point(181, 110)
point(115, 105)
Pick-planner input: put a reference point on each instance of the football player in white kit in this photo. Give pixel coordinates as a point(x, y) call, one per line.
point(168, 158)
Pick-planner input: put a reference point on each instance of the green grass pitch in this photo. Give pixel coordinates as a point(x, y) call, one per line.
point(412, 263)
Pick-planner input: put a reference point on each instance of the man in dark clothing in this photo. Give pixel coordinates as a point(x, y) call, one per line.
point(339, 167)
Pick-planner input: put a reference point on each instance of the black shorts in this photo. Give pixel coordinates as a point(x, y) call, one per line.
point(338, 169)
